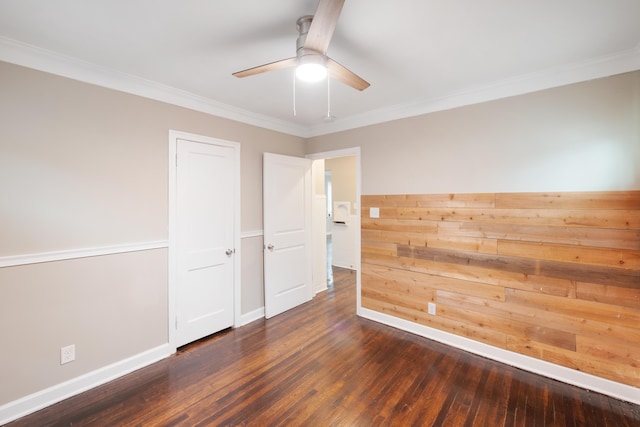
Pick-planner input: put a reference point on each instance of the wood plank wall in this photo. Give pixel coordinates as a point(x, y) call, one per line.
point(555, 276)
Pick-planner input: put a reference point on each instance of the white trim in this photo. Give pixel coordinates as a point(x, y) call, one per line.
point(237, 285)
point(318, 291)
point(527, 363)
point(27, 55)
point(346, 267)
point(15, 260)
point(251, 233)
point(43, 398)
point(172, 258)
point(343, 152)
point(252, 316)
point(174, 136)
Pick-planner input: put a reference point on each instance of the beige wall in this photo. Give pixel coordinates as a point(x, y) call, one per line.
point(580, 137)
point(252, 273)
point(75, 156)
point(343, 179)
point(111, 307)
point(83, 166)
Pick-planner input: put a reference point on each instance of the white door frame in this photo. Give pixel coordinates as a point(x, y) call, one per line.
point(354, 151)
point(174, 136)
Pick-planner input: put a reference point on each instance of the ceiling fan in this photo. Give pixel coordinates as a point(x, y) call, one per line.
point(315, 34)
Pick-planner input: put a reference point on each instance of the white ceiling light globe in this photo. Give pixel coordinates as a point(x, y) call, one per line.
point(311, 72)
point(311, 68)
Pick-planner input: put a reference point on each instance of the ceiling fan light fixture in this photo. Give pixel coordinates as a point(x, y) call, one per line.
point(311, 68)
point(311, 60)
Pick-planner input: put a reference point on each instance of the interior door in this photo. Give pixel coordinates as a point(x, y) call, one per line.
point(204, 239)
point(287, 232)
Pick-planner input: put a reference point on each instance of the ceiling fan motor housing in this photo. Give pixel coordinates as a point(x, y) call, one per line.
point(308, 59)
point(306, 55)
point(302, 25)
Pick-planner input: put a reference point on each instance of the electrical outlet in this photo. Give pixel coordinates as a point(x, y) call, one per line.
point(67, 354)
point(431, 308)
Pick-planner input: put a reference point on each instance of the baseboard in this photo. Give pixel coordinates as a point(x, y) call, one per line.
point(348, 267)
point(320, 288)
point(252, 316)
point(41, 399)
point(527, 363)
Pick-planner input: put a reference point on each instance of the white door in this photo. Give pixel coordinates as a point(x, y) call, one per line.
point(287, 232)
point(205, 214)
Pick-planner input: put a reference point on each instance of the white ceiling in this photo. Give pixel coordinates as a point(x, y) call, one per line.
point(418, 55)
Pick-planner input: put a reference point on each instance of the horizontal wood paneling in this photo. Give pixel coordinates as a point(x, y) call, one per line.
point(485, 200)
point(600, 218)
point(612, 200)
point(614, 295)
point(571, 253)
point(580, 236)
point(555, 276)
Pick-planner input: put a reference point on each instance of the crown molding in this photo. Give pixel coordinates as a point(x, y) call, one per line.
point(604, 66)
point(30, 56)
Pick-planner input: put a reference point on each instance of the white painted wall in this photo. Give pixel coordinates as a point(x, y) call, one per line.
point(345, 239)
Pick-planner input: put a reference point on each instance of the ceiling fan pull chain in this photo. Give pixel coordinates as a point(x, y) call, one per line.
point(294, 94)
point(328, 99)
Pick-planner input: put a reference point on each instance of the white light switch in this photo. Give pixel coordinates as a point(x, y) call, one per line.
point(374, 212)
point(431, 308)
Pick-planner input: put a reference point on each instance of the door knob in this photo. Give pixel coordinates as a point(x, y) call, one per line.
point(270, 247)
point(229, 252)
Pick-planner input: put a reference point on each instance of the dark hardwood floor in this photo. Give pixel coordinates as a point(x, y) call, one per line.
point(320, 365)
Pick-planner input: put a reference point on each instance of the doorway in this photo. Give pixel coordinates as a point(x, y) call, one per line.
point(328, 191)
point(352, 219)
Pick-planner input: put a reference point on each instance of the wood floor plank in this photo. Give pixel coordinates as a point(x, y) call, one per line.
point(319, 365)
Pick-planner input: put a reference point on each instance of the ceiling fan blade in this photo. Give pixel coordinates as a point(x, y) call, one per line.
point(278, 65)
point(323, 24)
point(346, 76)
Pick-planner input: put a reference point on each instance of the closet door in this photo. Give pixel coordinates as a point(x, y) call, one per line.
point(205, 251)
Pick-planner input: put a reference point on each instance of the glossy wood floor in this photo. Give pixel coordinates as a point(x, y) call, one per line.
point(320, 365)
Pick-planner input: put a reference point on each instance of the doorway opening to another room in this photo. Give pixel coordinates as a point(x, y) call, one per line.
point(328, 191)
point(336, 211)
